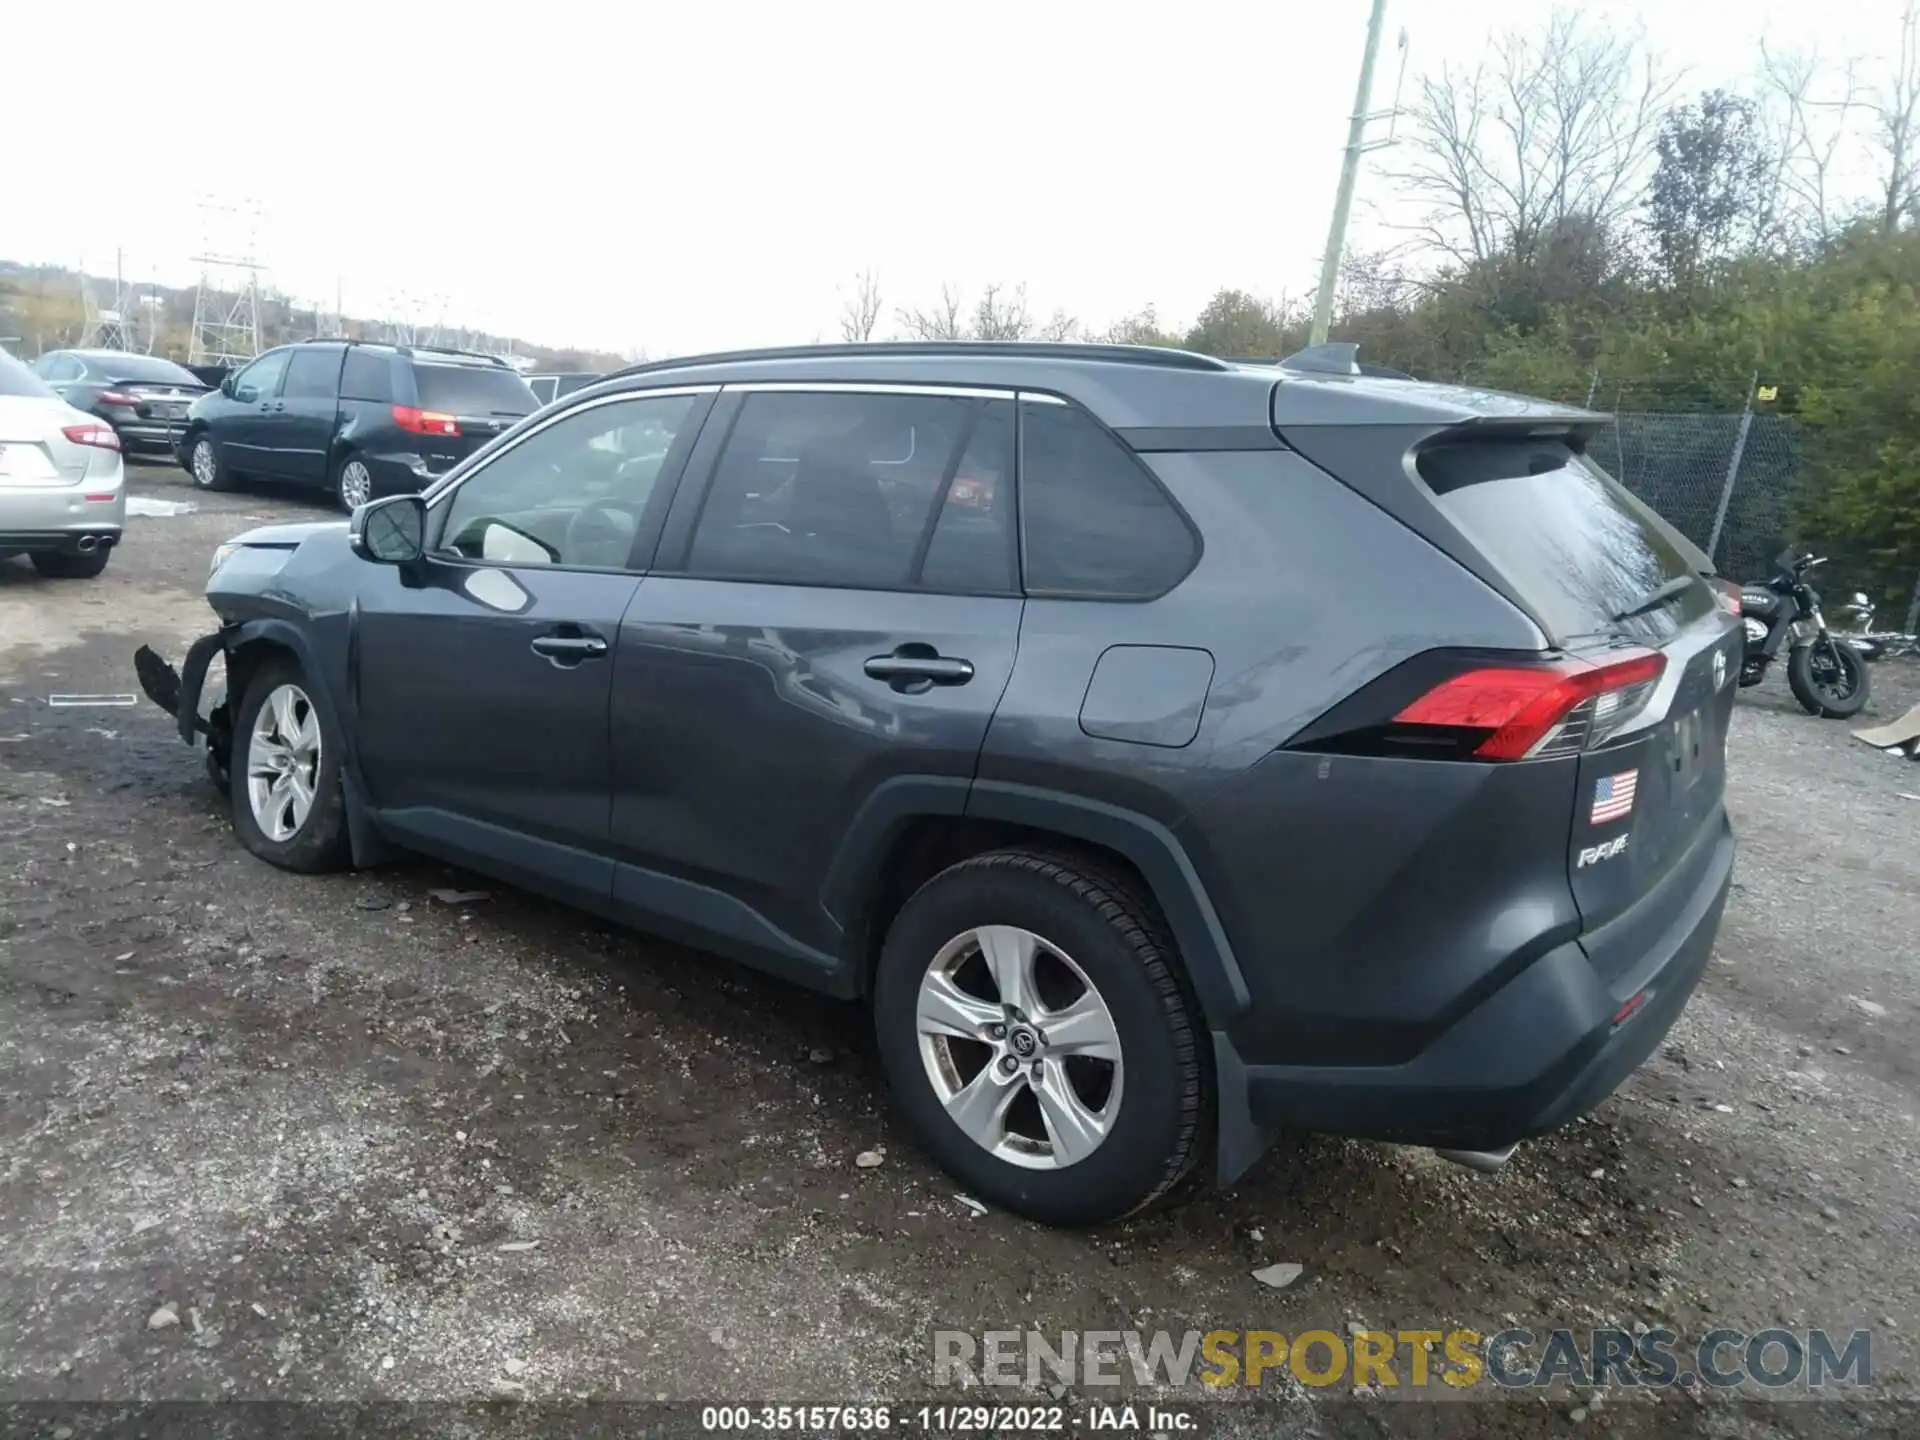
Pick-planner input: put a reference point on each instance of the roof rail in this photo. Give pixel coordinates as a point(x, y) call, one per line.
point(934, 349)
point(413, 350)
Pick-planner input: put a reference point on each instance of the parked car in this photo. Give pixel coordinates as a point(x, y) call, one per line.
point(360, 420)
point(1248, 748)
point(548, 388)
point(143, 397)
point(63, 500)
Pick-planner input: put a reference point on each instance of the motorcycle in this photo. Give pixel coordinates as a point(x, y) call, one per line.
point(1827, 675)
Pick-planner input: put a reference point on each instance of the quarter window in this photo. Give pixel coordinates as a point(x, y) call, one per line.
point(1095, 523)
point(368, 375)
point(874, 491)
point(575, 493)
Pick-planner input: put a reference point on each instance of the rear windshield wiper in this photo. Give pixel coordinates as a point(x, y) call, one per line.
point(1653, 600)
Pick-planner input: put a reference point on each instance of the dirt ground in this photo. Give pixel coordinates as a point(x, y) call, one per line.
point(366, 1145)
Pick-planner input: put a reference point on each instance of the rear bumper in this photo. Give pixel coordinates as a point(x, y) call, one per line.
point(151, 435)
point(1535, 1054)
point(61, 518)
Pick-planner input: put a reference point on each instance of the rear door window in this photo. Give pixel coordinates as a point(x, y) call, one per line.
point(862, 490)
point(472, 390)
point(1576, 547)
point(313, 375)
point(1095, 524)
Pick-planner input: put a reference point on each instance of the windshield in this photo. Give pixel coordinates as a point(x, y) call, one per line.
point(149, 369)
point(473, 390)
point(1577, 548)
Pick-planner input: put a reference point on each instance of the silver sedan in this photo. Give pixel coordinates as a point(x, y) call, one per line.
point(63, 494)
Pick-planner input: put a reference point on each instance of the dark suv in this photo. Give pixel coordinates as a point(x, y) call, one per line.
point(1168, 751)
point(361, 420)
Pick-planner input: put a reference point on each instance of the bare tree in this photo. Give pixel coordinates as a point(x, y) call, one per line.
point(943, 323)
point(1894, 104)
point(860, 311)
point(1812, 110)
point(1000, 315)
point(1058, 328)
point(1556, 126)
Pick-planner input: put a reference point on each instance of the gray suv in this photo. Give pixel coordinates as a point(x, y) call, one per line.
point(1168, 751)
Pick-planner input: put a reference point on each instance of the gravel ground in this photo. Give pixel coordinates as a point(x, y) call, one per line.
point(365, 1145)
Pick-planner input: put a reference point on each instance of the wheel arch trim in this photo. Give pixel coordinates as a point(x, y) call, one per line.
point(1151, 847)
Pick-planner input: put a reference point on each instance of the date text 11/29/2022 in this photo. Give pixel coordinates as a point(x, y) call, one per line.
point(962, 1419)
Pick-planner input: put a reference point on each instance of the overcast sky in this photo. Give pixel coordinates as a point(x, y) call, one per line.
point(674, 176)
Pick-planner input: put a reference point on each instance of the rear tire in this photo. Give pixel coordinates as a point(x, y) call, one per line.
point(1826, 699)
point(352, 482)
point(276, 757)
point(207, 465)
point(1076, 1138)
point(70, 566)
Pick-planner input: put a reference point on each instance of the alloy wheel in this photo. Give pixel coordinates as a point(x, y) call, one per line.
point(1020, 1048)
point(356, 484)
point(204, 468)
point(283, 762)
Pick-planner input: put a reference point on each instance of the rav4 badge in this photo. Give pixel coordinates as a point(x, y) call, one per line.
point(1594, 854)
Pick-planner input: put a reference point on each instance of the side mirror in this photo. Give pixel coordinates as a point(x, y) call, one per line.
point(392, 531)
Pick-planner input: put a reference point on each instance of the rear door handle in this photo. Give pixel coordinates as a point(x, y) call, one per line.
point(569, 646)
point(917, 668)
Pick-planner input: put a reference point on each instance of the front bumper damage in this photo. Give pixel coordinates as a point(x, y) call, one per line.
point(178, 693)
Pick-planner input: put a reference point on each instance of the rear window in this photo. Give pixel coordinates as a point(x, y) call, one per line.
point(472, 390)
point(148, 368)
point(1575, 546)
point(17, 380)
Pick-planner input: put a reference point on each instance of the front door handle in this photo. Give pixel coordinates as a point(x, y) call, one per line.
point(913, 668)
point(569, 645)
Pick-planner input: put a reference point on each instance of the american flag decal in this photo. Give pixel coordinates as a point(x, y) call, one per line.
point(1613, 796)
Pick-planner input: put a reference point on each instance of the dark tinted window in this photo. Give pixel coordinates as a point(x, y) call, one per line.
point(572, 494)
point(17, 380)
point(1095, 522)
point(868, 490)
point(368, 375)
point(1575, 546)
point(142, 369)
point(312, 374)
point(472, 390)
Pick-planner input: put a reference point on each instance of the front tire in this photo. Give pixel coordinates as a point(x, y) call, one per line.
point(207, 465)
point(65, 566)
point(352, 483)
point(285, 791)
point(1040, 1039)
point(1833, 685)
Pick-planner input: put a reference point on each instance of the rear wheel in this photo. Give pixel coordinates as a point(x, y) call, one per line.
point(352, 482)
point(207, 466)
point(1828, 678)
point(285, 787)
point(71, 566)
point(1039, 1039)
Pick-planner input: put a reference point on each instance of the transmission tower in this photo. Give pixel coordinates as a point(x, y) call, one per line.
point(112, 328)
point(226, 304)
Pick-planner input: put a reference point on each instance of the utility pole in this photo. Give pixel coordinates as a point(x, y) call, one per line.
point(1349, 172)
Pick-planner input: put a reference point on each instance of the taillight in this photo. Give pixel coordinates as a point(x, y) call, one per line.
point(93, 433)
point(1536, 712)
point(118, 397)
point(424, 422)
point(1728, 593)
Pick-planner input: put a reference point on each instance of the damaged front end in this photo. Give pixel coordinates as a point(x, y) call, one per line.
point(178, 692)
